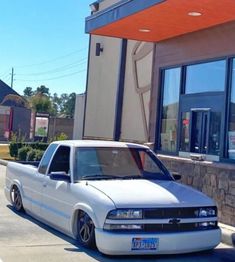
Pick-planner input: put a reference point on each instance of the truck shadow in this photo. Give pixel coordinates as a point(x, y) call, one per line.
point(216, 255)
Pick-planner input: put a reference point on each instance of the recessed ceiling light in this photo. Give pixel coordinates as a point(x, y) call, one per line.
point(144, 30)
point(194, 13)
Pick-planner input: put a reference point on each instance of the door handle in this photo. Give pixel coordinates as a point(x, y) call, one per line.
point(44, 184)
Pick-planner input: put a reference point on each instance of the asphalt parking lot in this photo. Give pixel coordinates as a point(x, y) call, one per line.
point(22, 238)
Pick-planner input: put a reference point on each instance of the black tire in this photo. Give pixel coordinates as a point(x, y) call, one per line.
point(16, 199)
point(86, 230)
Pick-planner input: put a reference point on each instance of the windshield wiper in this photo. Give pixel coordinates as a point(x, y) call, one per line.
point(131, 177)
point(98, 177)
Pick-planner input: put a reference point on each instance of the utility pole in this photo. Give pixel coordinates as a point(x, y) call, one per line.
point(12, 77)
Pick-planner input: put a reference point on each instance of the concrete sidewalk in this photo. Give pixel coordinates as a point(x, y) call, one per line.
point(228, 232)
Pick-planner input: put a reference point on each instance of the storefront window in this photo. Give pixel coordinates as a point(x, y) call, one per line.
point(169, 118)
point(231, 130)
point(206, 77)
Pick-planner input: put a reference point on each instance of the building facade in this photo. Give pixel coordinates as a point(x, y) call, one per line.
point(165, 75)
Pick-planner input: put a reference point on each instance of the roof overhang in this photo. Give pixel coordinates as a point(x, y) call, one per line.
point(157, 20)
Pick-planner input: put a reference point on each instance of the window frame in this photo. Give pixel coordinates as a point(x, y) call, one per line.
point(51, 157)
point(160, 110)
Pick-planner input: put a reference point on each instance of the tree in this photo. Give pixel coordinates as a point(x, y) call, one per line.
point(43, 90)
point(56, 103)
point(28, 91)
point(41, 103)
point(68, 104)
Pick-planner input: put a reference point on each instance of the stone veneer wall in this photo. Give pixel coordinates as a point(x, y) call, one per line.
point(216, 180)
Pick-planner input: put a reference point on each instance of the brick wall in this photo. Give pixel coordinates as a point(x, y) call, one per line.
point(216, 180)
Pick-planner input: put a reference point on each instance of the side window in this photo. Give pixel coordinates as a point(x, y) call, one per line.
point(47, 158)
point(148, 164)
point(60, 161)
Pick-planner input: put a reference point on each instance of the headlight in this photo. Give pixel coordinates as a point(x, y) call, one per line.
point(207, 212)
point(207, 225)
point(125, 214)
point(120, 227)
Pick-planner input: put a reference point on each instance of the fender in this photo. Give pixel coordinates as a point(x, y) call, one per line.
point(86, 208)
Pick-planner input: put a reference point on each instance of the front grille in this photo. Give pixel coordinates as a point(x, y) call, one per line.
point(163, 213)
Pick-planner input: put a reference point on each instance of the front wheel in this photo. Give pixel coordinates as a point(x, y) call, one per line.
point(86, 230)
point(16, 199)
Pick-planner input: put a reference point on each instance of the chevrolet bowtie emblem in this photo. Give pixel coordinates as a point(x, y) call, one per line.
point(174, 221)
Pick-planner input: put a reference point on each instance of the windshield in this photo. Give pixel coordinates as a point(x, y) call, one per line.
point(117, 163)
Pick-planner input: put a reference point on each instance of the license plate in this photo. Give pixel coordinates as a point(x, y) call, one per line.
point(144, 243)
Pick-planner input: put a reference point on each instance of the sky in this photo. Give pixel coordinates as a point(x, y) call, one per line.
point(45, 42)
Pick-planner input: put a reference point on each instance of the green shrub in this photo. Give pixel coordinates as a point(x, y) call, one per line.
point(31, 155)
point(39, 154)
point(39, 145)
point(14, 147)
point(34, 155)
point(61, 136)
point(22, 153)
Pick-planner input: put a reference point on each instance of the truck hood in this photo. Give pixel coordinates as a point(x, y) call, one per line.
point(145, 193)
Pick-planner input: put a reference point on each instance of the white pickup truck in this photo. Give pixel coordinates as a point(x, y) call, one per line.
point(117, 196)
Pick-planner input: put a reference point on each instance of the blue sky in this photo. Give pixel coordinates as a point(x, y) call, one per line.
point(44, 41)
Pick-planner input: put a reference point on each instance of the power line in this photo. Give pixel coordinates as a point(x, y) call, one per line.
point(54, 59)
point(6, 78)
point(59, 69)
point(53, 78)
point(5, 74)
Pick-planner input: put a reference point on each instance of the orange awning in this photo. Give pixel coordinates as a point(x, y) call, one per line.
point(157, 20)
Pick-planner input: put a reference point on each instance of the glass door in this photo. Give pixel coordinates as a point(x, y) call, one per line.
point(200, 131)
point(201, 122)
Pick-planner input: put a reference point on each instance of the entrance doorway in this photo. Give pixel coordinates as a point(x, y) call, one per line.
point(200, 131)
point(200, 127)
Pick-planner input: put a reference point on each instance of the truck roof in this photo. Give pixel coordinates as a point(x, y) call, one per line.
point(97, 143)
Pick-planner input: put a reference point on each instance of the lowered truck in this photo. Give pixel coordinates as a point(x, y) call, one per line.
point(116, 196)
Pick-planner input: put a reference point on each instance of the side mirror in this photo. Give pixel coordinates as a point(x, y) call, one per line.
point(60, 176)
point(176, 176)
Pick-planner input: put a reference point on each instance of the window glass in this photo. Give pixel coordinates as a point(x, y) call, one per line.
point(47, 158)
point(119, 163)
point(206, 77)
point(60, 161)
point(231, 130)
point(185, 132)
point(148, 165)
point(170, 109)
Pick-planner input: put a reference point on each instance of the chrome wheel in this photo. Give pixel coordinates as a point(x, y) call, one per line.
point(16, 199)
point(86, 230)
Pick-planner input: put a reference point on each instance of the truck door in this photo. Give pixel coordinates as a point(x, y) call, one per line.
point(56, 206)
point(36, 181)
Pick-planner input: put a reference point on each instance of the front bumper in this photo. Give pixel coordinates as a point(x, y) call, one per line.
point(169, 243)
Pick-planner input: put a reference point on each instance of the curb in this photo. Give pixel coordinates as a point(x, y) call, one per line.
point(228, 234)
